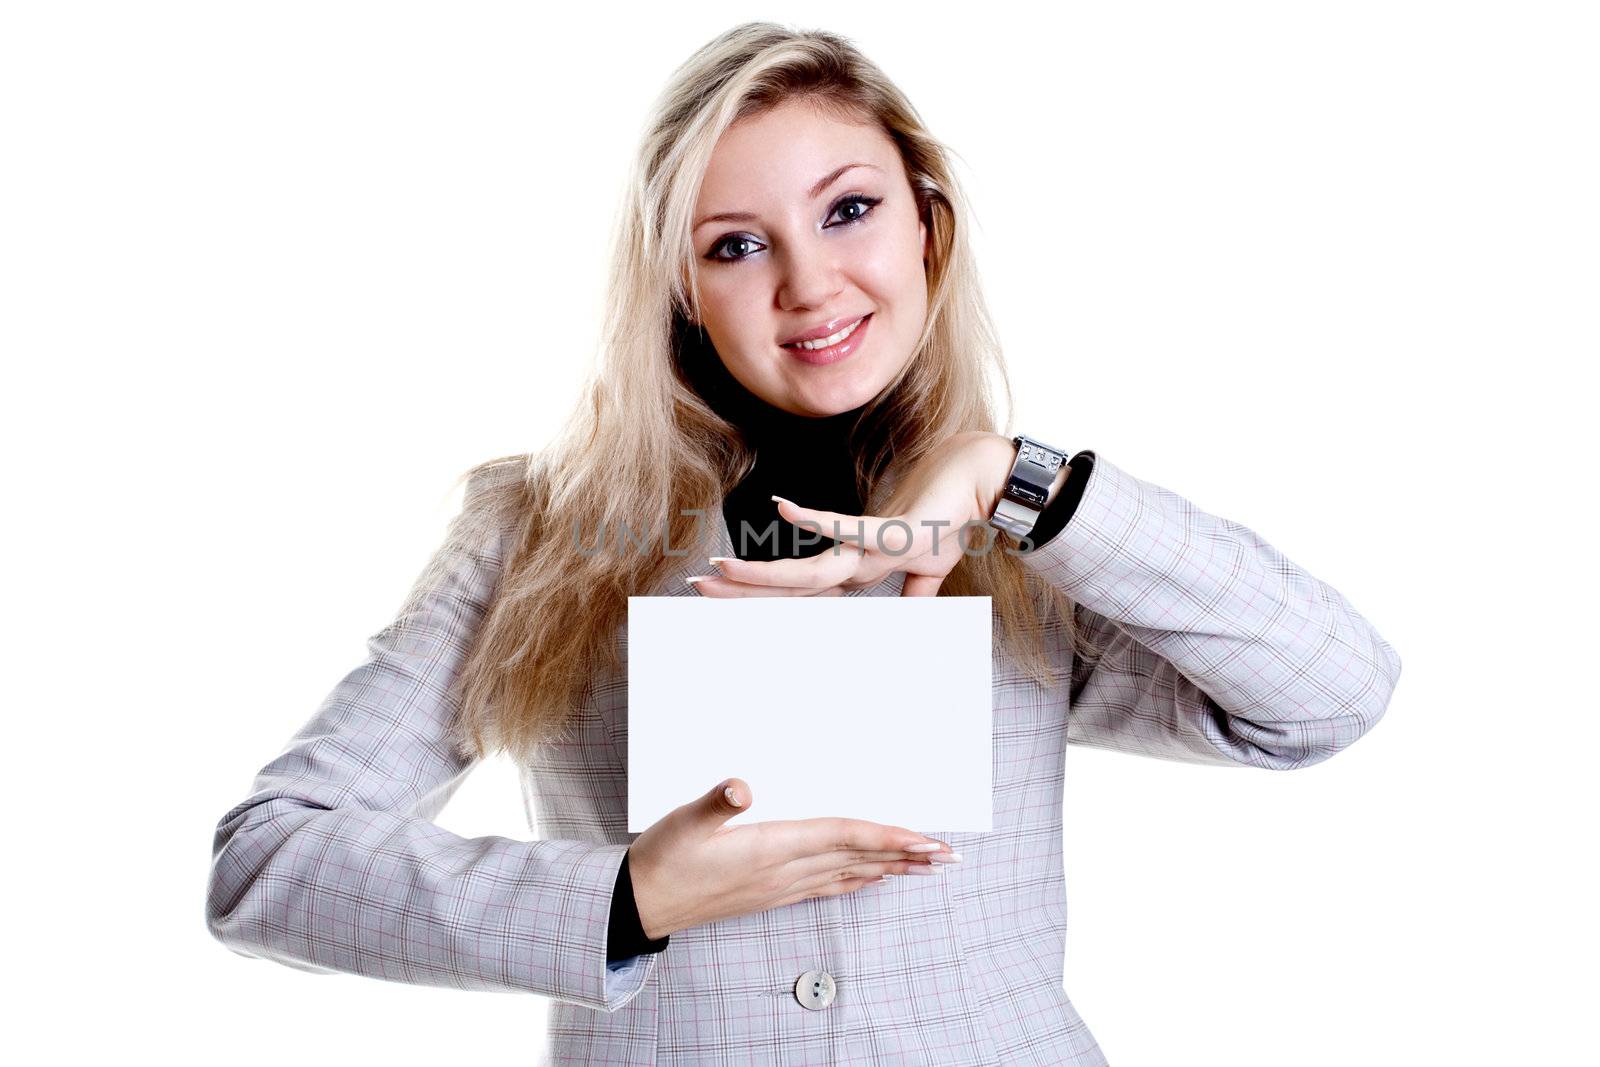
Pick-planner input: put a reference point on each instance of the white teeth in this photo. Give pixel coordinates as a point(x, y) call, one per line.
point(831, 339)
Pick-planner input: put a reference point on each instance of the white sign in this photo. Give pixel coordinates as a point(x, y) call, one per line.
point(875, 708)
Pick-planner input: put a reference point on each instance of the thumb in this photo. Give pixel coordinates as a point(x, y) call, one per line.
point(728, 799)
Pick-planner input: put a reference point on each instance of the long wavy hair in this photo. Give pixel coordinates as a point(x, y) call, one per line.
point(648, 436)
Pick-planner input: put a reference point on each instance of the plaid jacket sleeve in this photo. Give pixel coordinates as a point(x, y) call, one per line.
point(333, 862)
point(1214, 646)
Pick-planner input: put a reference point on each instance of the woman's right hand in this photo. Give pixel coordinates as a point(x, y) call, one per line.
point(689, 868)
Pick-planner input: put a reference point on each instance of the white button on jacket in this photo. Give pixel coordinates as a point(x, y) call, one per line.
point(814, 989)
point(1215, 648)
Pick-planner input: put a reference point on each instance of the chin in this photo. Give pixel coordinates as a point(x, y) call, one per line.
point(835, 397)
point(834, 401)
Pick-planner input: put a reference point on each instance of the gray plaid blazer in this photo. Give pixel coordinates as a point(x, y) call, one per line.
point(1215, 648)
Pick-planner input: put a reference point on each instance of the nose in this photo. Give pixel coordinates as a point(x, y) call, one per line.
point(811, 276)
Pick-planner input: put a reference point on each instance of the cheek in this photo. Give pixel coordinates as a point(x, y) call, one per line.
point(903, 286)
point(905, 283)
point(895, 263)
point(726, 302)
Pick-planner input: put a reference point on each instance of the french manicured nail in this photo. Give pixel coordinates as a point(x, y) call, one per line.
point(930, 846)
point(720, 559)
point(945, 857)
point(693, 578)
point(924, 869)
point(781, 500)
point(733, 798)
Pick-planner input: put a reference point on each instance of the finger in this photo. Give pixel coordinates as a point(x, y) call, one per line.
point(804, 838)
point(922, 585)
point(829, 889)
point(812, 574)
point(839, 888)
point(892, 536)
point(712, 585)
point(813, 869)
point(871, 871)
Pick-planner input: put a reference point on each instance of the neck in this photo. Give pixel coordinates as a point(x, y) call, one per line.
point(807, 459)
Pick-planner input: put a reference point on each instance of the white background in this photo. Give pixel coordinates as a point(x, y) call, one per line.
point(274, 274)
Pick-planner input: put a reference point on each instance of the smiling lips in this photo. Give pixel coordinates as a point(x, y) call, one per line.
point(832, 347)
point(828, 333)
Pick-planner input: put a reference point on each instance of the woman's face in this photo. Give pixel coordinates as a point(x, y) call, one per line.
point(827, 233)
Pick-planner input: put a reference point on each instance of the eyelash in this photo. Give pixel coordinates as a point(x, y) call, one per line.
point(869, 202)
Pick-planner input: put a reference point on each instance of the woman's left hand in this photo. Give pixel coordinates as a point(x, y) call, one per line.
point(956, 484)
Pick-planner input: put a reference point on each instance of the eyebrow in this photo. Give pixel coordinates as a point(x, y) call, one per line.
point(814, 192)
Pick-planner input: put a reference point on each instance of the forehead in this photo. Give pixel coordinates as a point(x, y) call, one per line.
point(775, 157)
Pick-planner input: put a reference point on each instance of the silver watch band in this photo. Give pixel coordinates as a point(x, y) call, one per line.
point(1028, 486)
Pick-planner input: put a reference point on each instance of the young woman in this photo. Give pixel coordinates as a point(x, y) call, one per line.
point(794, 313)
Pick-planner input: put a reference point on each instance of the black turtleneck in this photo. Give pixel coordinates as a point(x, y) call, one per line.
point(804, 458)
point(808, 460)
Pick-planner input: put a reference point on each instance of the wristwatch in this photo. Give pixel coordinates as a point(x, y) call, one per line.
point(1027, 487)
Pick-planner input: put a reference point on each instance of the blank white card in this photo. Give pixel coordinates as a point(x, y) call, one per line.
point(876, 708)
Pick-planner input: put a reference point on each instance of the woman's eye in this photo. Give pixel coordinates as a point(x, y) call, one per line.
point(743, 247)
point(864, 203)
point(727, 242)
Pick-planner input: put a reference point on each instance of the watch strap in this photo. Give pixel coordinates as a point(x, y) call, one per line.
point(1027, 487)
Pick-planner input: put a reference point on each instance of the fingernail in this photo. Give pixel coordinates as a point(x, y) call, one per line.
point(922, 868)
point(945, 857)
point(781, 500)
point(693, 578)
point(720, 559)
point(732, 798)
point(931, 846)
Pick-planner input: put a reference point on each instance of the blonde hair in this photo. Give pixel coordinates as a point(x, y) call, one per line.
point(659, 450)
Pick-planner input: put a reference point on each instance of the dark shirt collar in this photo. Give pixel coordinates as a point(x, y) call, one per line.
point(802, 458)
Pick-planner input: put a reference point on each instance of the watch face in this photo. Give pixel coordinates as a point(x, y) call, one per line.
point(1042, 454)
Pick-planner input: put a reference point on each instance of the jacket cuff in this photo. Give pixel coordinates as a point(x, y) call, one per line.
point(626, 937)
point(1124, 529)
point(1059, 511)
point(620, 980)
